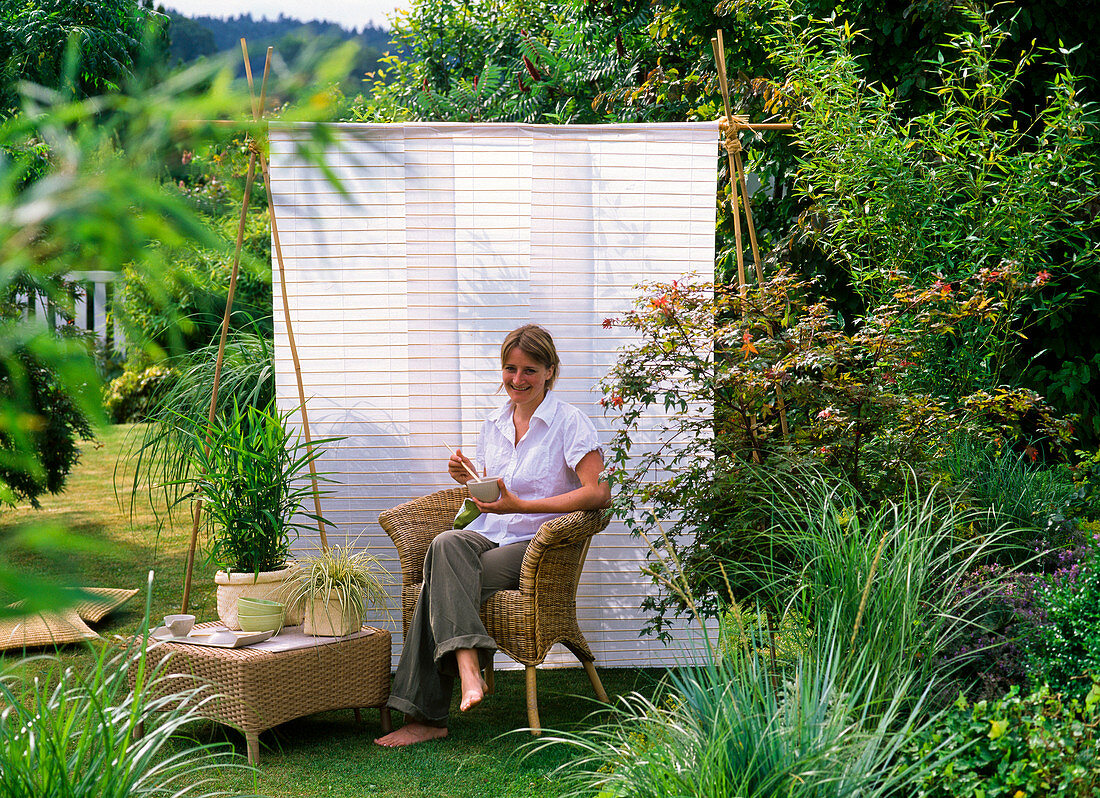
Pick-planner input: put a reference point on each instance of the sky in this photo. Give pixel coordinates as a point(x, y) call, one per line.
point(349, 13)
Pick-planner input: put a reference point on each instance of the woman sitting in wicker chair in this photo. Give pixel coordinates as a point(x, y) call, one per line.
point(548, 457)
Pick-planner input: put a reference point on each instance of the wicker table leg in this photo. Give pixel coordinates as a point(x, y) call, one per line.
point(253, 741)
point(387, 721)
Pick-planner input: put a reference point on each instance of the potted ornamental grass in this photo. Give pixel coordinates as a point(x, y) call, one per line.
point(251, 473)
point(335, 587)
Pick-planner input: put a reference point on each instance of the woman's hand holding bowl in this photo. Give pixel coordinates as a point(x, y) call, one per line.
point(508, 502)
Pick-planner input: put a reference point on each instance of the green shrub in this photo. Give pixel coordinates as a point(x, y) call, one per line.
point(1064, 651)
point(183, 311)
point(969, 188)
point(1086, 476)
point(39, 439)
point(130, 398)
point(1036, 745)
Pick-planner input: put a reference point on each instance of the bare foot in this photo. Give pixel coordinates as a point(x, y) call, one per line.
point(411, 734)
point(472, 697)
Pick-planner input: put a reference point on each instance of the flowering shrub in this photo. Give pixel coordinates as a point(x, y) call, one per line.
point(1064, 650)
point(1028, 629)
point(773, 378)
point(990, 659)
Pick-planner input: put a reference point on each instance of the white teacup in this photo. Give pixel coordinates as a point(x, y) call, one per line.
point(484, 490)
point(179, 625)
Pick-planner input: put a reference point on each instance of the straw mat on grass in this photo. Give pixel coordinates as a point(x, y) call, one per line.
point(106, 601)
point(47, 629)
point(67, 626)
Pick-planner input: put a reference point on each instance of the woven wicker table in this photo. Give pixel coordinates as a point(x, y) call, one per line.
point(286, 677)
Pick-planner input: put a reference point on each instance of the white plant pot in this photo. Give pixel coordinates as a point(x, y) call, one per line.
point(264, 585)
point(331, 618)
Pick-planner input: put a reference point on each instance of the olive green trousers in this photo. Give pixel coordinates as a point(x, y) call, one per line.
point(461, 570)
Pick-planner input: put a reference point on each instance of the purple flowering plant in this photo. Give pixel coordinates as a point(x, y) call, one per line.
point(1005, 647)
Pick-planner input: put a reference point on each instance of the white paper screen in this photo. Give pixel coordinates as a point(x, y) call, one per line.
point(448, 236)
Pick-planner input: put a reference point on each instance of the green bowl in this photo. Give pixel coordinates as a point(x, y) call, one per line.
point(272, 622)
point(251, 613)
point(255, 605)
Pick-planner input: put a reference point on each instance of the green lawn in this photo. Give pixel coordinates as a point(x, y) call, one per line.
point(326, 754)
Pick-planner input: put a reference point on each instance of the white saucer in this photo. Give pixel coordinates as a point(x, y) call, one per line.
point(164, 633)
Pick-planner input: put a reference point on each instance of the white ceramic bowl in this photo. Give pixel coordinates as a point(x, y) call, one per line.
point(484, 490)
point(179, 625)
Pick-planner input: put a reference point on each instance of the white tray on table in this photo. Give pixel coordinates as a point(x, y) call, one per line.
point(216, 637)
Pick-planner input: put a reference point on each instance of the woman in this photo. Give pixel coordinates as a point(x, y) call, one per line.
point(547, 455)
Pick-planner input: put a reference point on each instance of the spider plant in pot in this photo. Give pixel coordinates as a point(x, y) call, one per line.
point(250, 470)
point(335, 586)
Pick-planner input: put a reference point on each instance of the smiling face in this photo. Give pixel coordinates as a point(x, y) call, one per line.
point(524, 378)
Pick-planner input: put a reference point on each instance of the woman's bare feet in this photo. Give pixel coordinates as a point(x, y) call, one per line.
point(412, 733)
point(472, 697)
point(473, 686)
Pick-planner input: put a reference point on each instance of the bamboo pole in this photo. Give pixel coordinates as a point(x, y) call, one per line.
point(196, 511)
point(748, 216)
point(730, 126)
point(257, 113)
point(720, 64)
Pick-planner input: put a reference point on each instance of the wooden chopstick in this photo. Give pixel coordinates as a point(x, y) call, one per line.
point(469, 470)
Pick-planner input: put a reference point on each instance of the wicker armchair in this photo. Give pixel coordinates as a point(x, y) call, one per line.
point(526, 622)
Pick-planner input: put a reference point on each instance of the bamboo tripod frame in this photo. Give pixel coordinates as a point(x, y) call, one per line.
point(256, 153)
point(731, 127)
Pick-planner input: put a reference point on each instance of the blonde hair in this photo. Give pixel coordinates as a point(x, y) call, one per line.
point(537, 344)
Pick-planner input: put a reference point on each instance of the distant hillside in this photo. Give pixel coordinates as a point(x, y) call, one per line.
point(195, 37)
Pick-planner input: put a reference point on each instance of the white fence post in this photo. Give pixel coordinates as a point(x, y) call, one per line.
point(90, 312)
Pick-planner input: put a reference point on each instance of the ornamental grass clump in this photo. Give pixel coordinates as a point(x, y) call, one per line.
point(825, 727)
point(875, 595)
point(341, 575)
point(893, 575)
point(1013, 487)
point(78, 735)
point(163, 458)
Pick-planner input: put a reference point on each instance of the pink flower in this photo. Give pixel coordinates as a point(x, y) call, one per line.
point(661, 303)
point(186, 157)
point(1042, 278)
point(828, 412)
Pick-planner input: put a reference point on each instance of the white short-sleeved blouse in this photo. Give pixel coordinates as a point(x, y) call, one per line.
point(540, 466)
